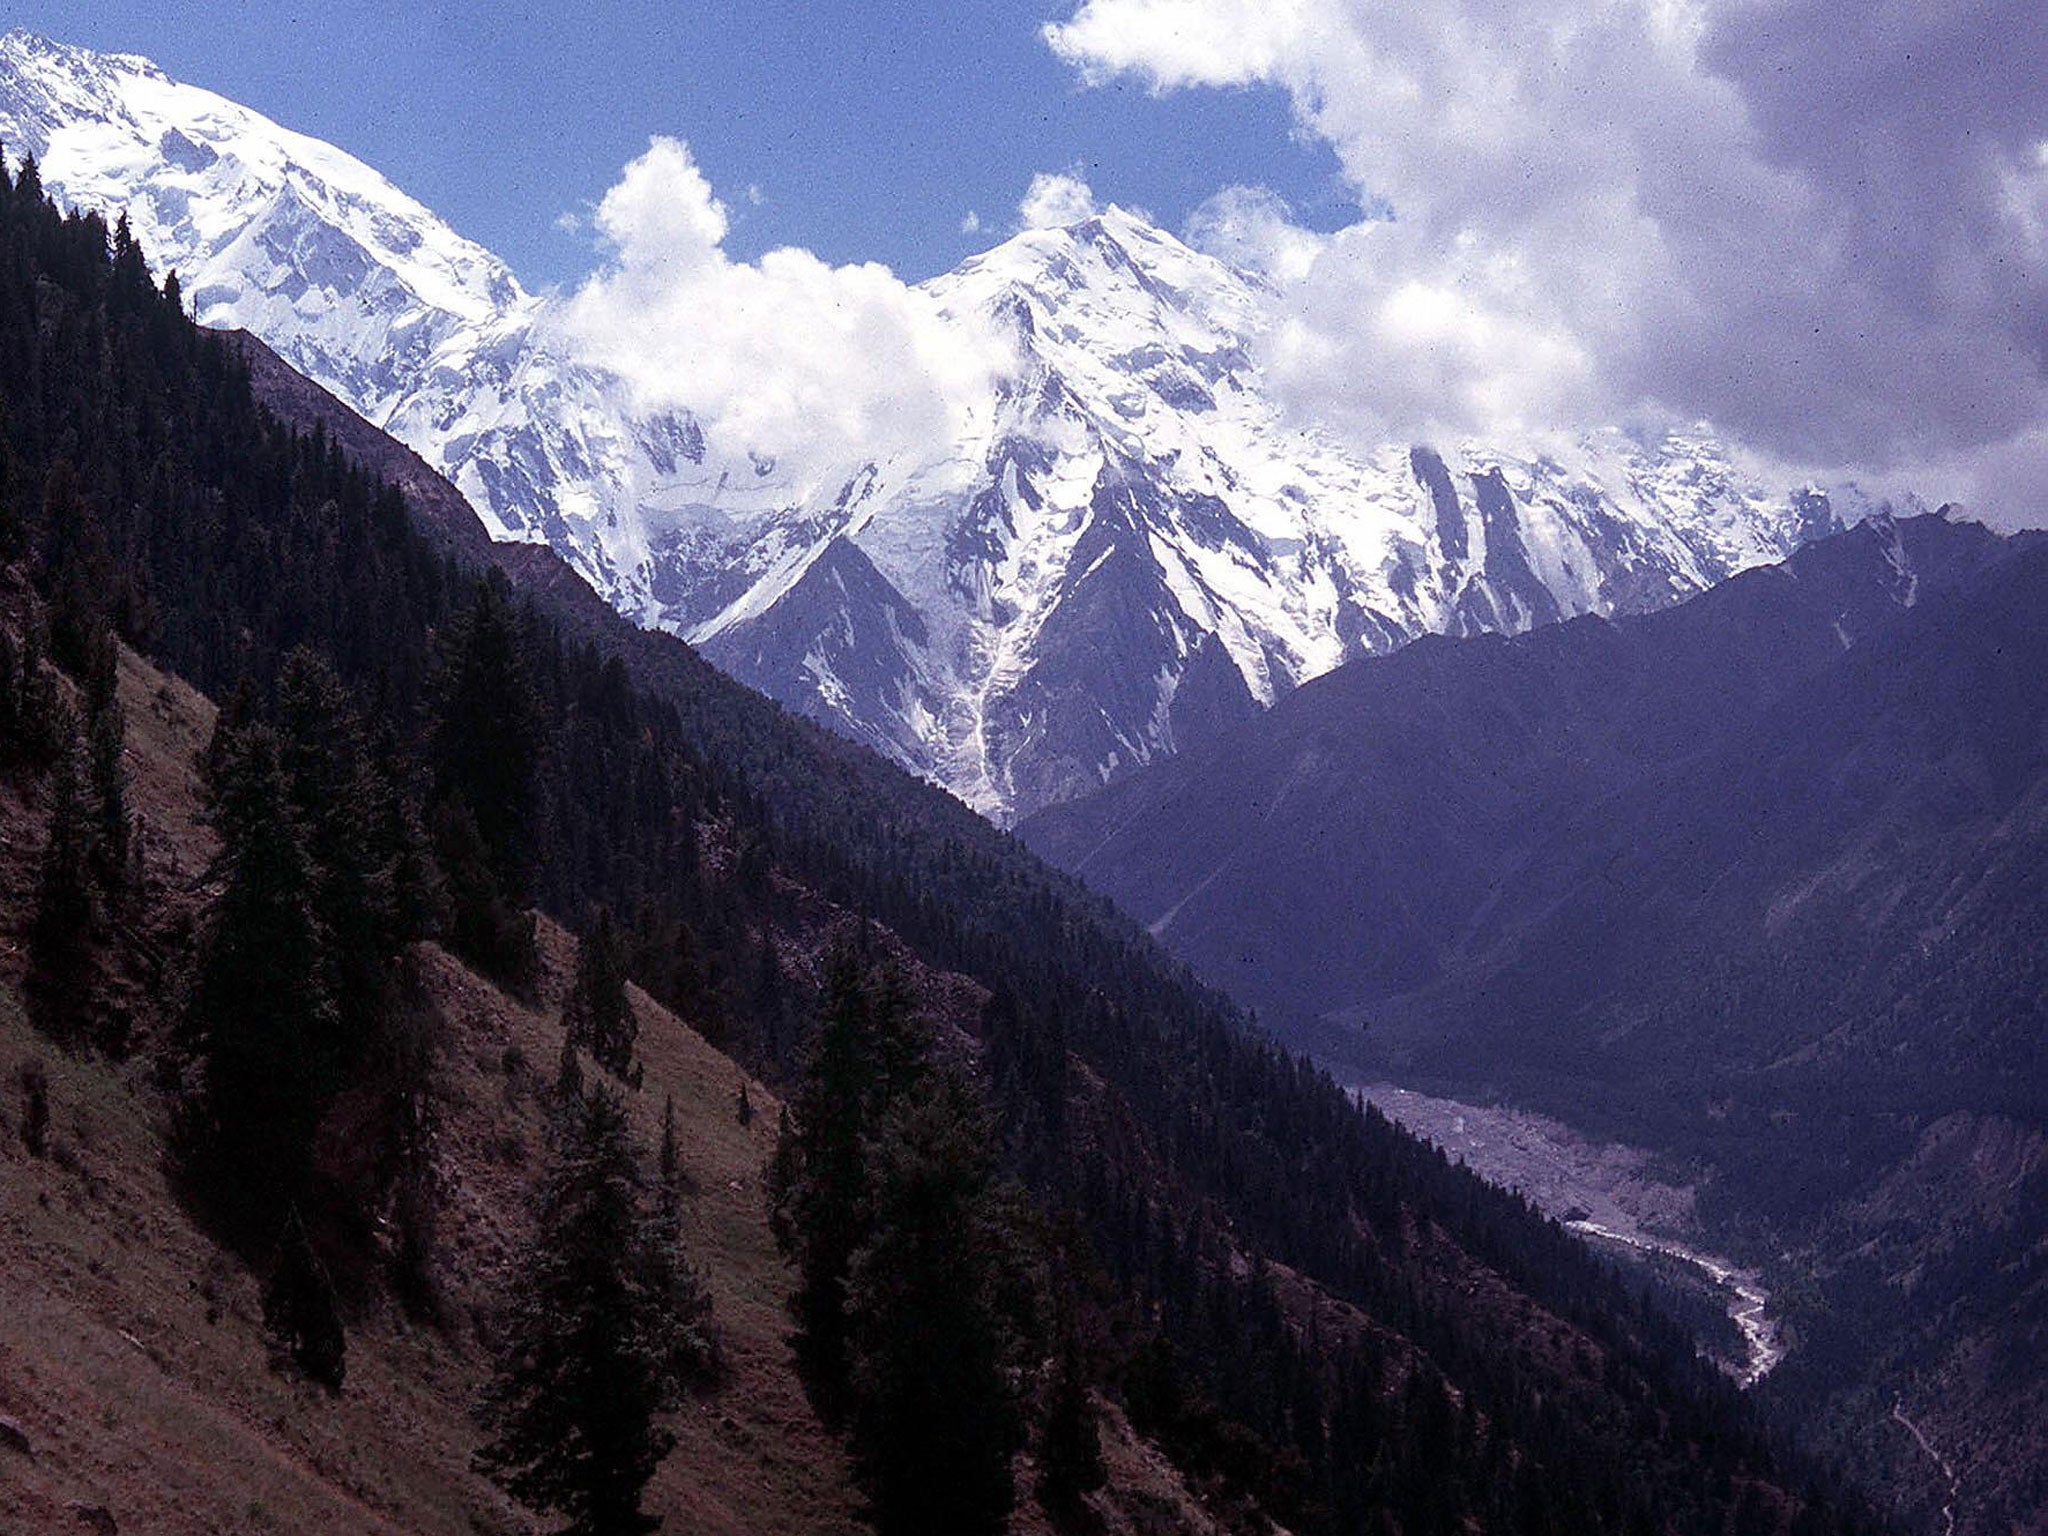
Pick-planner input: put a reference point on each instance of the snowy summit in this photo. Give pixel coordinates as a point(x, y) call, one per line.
point(1119, 545)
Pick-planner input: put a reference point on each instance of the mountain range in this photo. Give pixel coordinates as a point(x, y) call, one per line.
point(1754, 883)
point(1284, 1312)
point(1126, 548)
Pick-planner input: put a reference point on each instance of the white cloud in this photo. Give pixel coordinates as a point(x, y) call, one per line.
point(1253, 228)
point(1055, 198)
point(1820, 227)
point(971, 224)
point(820, 367)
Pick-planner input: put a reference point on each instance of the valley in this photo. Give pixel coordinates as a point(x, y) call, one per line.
point(1611, 1195)
point(1753, 885)
point(382, 912)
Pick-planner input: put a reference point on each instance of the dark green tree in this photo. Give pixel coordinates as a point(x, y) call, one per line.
point(594, 1341)
point(1069, 1441)
point(693, 1352)
point(487, 733)
point(60, 936)
point(263, 1024)
point(485, 925)
point(935, 1417)
point(34, 1078)
point(597, 1014)
point(112, 844)
point(867, 1052)
point(374, 884)
point(106, 742)
point(301, 1315)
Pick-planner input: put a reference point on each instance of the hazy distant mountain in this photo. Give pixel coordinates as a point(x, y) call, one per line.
point(1130, 550)
point(1759, 882)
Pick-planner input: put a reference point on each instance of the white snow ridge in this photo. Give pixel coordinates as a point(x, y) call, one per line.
point(1124, 546)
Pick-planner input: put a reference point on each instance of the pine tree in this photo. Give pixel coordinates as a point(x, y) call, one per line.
point(60, 938)
point(595, 1344)
point(568, 1073)
point(670, 1170)
point(301, 1314)
point(106, 734)
point(263, 1024)
point(692, 1354)
point(597, 1014)
point(935, 1419)
point(487, 734)
point(867, 1052)
point(485, 926)
point(338, 799)
point(1069, 1445)
point(35, 1107)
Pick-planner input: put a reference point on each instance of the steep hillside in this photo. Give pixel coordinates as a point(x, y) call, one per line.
point(132, 1352)
point(1755, 883)
point(1122, 547)
point(132, 1349)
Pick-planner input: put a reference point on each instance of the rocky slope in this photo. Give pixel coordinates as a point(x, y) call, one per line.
point(1126, 549)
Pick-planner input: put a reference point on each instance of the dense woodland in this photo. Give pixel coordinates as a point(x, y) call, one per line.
point(1106, 1185)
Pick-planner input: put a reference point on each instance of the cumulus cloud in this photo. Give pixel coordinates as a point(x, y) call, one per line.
point(1253, 228)
point(1055, 198)
point(970, 223)
point(1824, 228)
point(820, 367)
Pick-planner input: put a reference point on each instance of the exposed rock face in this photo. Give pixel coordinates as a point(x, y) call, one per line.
point(1126, 547)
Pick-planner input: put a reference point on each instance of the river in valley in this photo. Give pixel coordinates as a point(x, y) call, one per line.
point(1605, 1192)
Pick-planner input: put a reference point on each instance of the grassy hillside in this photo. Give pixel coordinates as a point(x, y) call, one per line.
point(131, 1348)
point(132, 1351)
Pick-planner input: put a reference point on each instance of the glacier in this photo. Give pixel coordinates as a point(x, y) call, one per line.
point(1126, 546)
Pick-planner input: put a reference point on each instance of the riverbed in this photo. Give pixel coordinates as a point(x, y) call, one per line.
point(1604, 1191)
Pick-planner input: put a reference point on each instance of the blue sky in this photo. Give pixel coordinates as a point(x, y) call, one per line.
point(869, 127)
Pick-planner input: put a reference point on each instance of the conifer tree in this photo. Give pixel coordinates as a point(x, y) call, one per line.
point(357, 834)
point(487, 734)
point(867, 1052)
point(485, 925)
point(692, 1351)
point(35, 724)
point(935, 1419)
point(35, 1107)
point(301, 1314)
point(595, 1345)
point(263, 1023)
point(597, 1014)
point(670, 1169)
point(106, 739)
point(568, 1073)
point(14, 721)
point(60, 938)
point(1069, 1445)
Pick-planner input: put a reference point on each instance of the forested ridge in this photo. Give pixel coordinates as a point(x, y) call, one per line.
point(1316, 1316)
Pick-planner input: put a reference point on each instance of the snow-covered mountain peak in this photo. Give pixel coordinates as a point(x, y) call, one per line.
point(199, 175)
point(1122, 545)
point(1106, 278)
